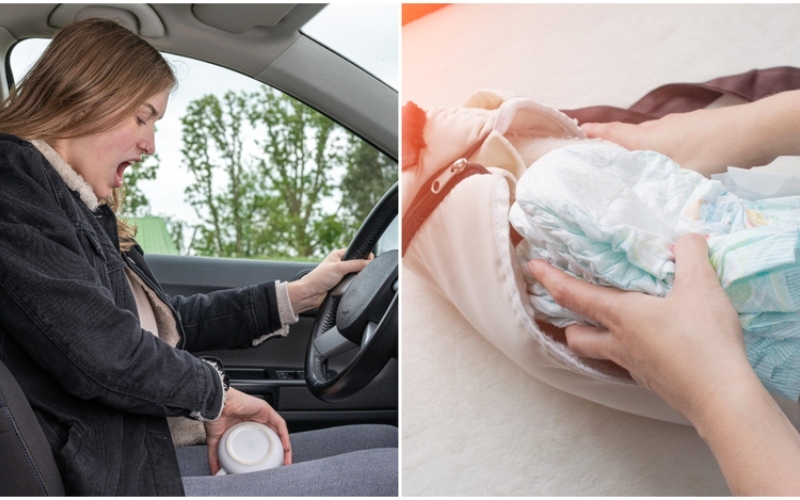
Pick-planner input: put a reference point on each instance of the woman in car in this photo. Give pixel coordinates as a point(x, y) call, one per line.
point(99, 349)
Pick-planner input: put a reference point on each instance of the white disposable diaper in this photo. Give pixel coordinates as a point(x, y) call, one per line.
point(610, 216)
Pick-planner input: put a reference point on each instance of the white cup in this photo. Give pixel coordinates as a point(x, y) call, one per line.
point(249, 447)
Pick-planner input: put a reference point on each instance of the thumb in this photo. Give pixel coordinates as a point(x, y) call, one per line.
point(624, 134)
point(594, 129)
point(351, 266)
point(335, 256)
point(213, 457)
point(596, 302)
point(590, 342)
point(692, 266)
point(613, 131)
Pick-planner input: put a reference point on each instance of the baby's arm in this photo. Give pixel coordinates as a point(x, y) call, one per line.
point(709, 141)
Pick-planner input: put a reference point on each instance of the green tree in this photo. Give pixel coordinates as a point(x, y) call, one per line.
point(369, 175)
point(299, 150)
point(223, 193)
point(136, 203)
point(262, 164)
point(177, 230)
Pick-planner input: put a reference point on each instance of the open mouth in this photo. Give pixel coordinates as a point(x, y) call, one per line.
point(120, 171)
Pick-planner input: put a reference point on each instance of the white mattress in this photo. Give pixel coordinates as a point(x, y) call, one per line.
point(473, 423)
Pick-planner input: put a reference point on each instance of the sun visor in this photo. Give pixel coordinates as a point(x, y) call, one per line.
point(289, 17)
point(139, 18)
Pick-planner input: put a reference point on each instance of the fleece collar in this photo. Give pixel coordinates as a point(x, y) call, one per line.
point(72, 179)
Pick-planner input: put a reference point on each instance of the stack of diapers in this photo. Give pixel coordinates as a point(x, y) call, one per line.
point(610, 217)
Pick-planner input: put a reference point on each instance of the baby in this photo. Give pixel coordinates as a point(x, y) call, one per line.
point(610, 216)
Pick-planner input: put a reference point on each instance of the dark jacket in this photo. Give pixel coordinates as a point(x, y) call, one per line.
point(101, 386)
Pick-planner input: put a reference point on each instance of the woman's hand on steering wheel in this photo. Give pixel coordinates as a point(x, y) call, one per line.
point(309, 291)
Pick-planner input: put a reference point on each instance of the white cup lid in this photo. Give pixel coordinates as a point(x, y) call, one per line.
point(249, 444)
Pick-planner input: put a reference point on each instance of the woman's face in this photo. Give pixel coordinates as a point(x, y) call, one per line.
point(101, 159)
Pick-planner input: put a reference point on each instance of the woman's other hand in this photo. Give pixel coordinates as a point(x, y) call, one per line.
point(241, 407)
point(309, 291)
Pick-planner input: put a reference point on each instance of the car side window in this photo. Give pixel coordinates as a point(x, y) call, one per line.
point(242, 170)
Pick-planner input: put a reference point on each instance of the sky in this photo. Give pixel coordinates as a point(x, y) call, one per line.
point(342, 27)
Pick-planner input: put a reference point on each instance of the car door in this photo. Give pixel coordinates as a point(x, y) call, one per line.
point(274, 370)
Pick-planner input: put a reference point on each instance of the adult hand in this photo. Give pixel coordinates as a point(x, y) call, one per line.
point(688, 349)
point(309, 292)
point(682, 347)
point(705, 141)
point(241, 407)
point(710, 140)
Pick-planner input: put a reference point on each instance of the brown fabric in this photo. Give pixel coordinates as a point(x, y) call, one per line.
point(684, 97)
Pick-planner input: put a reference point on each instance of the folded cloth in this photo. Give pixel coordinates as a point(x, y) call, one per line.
point(610, 216)
point(757, 185)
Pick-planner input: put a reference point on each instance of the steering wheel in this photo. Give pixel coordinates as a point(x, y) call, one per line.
point(359, 313)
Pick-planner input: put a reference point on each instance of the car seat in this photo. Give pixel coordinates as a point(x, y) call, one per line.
point(29, 468)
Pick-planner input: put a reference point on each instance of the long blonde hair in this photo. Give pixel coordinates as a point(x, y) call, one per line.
point(92, 70)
